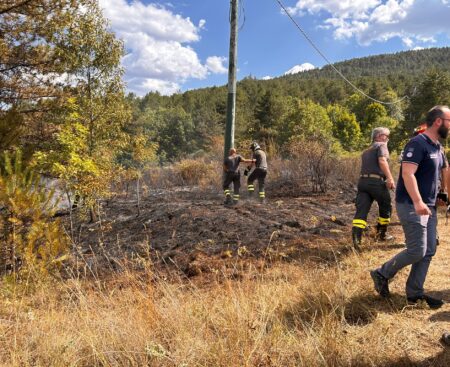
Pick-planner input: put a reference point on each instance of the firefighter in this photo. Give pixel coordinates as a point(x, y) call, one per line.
point(374, 184)
point(259, 173)
point(232, 175)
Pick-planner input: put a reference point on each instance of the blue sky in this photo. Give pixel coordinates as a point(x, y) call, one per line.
point(179, 45)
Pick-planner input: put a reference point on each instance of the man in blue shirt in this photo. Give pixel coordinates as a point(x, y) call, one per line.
point(416, 199)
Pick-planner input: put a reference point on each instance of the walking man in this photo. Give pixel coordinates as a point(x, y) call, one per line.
point(416, 199)
point(443, 180)
point(259, 173)
point(374, 184)
point(232, 175)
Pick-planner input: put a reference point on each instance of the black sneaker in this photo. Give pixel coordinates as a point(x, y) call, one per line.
point(445, 339)
point(433, 303)
point(381, 283)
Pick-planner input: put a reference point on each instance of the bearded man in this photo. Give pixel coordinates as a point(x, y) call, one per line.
point(416, 200)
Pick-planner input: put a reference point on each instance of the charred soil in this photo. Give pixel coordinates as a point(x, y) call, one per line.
point(190, 232)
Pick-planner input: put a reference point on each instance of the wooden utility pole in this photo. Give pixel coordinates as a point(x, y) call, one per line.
point(231, 101)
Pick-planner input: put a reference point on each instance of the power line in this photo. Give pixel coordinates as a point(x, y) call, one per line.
point(242, 13)
point(330, 64)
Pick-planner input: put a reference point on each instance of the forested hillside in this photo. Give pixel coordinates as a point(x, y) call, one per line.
point(415, 62)
point(313, 103)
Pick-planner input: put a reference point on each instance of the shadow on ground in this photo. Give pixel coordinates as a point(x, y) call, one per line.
point(363, 309)
point(357, 311)
point(442, 316)
point(442, 359)
point(442, 294)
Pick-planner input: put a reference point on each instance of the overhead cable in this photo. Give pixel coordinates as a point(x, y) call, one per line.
point(242, 13)
point(331, 65)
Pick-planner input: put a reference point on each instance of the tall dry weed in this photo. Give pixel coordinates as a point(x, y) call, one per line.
point(287, 316)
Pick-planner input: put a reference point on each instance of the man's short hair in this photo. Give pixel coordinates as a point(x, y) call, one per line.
point(379, 131)
point(436, 112)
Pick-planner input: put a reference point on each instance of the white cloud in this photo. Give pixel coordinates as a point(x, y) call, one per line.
point(215, 64)
point(267, 77)
point(300, 68)
point(164, 87)
point(413, 21)
point(156, 40)
point(151, 19)
point(408, 42)
point(391, 12)
point(356, 9)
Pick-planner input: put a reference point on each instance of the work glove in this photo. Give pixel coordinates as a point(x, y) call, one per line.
point(247, 170)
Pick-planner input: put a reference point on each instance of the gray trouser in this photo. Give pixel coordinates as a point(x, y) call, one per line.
point(420, 237)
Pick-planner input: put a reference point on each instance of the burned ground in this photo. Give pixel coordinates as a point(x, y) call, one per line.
point(191, 232)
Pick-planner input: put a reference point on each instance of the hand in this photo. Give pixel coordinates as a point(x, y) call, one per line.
point(442, 198)
point(390, 184)
point(421, 208)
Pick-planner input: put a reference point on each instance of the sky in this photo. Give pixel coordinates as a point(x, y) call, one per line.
point(178, 45)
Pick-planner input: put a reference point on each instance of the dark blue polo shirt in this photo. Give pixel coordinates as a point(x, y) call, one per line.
point(423, 152)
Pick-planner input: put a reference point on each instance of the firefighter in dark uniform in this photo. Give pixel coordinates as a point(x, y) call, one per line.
point(374, 184)
point(259, 173)
point(232, 175)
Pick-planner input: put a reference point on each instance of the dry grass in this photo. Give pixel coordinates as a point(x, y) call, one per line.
point(284, 316)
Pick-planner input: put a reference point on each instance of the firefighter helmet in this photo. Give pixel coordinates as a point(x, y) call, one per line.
point(254, 146)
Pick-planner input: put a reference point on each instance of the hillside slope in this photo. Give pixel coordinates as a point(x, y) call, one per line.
point(406, 63)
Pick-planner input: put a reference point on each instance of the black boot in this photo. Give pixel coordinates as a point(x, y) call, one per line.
point(381, 233)
point(228, 200)
point(356, 237)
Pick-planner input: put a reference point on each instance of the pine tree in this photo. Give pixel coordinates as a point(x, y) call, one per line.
point(30, 238)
